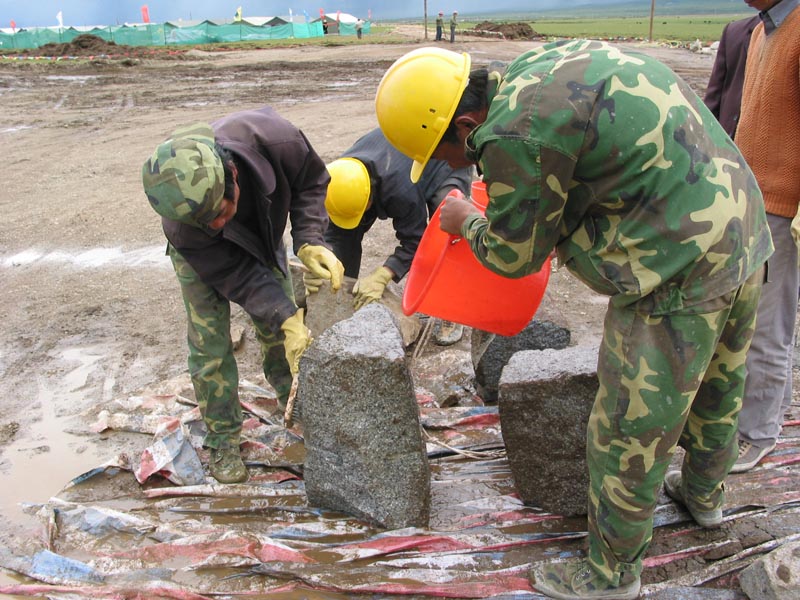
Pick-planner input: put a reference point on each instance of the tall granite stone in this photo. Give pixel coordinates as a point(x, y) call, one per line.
point(490, 353)
point(545, 400)
point(365, 455)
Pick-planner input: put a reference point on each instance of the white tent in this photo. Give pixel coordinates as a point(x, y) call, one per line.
point(341, 17)
point(257, 21)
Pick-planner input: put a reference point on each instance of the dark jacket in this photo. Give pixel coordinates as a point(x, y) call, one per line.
point(724, 91)
point(394, 197)
point(280, 178)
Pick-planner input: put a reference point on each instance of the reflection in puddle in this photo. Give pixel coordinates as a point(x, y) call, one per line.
point(71, 78)
point(48, 458)
point(15, 129)
point(91, 258)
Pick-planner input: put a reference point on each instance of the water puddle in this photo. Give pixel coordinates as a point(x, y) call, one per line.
point(43, 462)
point(9, 580)
point(16, 129)
point(72, 78)
point(92, 258)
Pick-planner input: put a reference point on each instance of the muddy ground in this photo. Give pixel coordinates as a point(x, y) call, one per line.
point(90, 307)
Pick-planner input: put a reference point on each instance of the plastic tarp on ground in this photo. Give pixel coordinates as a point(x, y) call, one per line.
point(150, 523)
point(160, 34)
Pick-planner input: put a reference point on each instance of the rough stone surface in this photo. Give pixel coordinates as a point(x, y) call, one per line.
point(490, 353)
point(324, 308)
point(364, 450)
point(545, 400)
point(775, 576)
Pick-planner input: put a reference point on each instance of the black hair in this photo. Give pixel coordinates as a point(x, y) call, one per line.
point(226, 157)
point(473, 99)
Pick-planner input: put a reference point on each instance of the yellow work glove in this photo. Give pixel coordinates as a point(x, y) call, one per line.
point(297, 339)
point(312, 283)
point(370, 288)
point(322, 263)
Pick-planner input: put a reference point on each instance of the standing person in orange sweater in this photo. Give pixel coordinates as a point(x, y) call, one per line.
point(769, 138)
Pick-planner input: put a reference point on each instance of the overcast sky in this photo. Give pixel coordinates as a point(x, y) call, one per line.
point(42, 13)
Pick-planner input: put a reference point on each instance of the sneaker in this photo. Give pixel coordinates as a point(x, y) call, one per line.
point(577, 579)
point(710, 519)
point(749, 456)
point(447, 333)
point(226, 465)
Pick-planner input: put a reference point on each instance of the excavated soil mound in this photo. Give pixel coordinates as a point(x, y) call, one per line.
point(509, 31)
point(85, 44)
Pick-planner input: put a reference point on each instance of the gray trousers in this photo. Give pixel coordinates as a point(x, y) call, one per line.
point(768, 387)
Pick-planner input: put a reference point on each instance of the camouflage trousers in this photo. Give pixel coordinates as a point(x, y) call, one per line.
point(212, 366)
point(668, 380)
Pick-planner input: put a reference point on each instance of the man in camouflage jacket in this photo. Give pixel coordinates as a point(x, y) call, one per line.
point(225, 192)
point(612, 160)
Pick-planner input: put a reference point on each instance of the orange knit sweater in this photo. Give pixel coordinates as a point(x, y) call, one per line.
point(769, 130)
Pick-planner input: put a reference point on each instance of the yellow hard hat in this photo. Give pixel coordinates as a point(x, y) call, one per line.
point(416, 99)
point(348, 192)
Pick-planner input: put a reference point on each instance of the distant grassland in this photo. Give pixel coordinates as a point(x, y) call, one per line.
point(706, 28)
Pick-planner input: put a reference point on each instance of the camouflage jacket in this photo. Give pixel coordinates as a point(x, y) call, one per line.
point(611, 158)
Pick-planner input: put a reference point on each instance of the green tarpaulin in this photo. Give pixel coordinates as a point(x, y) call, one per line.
point(152, 34)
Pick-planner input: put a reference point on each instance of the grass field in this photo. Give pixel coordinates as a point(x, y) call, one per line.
point(706, 28)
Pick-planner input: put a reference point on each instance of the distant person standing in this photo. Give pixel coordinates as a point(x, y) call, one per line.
point(724, 91)
point(359, 27)
point(769, 139)
point(453, 25)
point(439, 26)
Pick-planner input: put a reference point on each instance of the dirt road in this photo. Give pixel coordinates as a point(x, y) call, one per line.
point(90, 306)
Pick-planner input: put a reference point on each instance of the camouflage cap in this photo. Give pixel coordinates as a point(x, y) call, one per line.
point(184, 179)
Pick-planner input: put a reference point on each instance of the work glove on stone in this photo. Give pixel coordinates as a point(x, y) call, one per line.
point(297, 339)
point(322, 263)
point(370, 288)
point(312, 282)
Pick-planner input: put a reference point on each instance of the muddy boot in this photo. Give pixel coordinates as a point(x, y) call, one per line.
point(709, 517)
point(447, 333)
point(226, 465)
point(576, 579)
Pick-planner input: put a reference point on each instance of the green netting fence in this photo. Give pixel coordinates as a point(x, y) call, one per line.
point(162, 34)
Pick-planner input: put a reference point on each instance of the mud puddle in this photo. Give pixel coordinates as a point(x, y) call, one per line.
point(90, 258)
point(44, 461)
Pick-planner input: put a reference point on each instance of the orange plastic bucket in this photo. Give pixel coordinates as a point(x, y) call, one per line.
point(447, 281)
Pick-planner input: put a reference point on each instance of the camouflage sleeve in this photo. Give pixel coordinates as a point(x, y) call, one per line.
point(527, 186)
